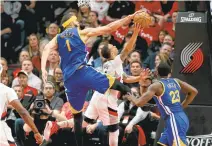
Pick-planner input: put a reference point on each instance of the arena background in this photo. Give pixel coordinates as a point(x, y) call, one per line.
point(194, 34)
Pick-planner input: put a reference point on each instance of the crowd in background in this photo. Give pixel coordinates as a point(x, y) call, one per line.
point(27, 26)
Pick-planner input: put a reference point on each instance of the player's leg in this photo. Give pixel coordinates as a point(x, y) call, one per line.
point(109, 117)
point(182, 124)
point(113, 134)
point(163, 141)
point(91, 114)
point(76, 95)
point(102, 82)
point(175, 129)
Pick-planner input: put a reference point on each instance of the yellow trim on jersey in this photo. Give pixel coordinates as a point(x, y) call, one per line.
point(111, 81)
point(73, 110)
point(181, 143)
point(68, 45)
point(81, 36)
point(161, 144)
point(177, 83)
point(66, 23)
point(163, 89)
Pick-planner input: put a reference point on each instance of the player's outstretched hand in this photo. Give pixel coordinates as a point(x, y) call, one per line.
point(137, 28)
point(128, 96)
point(38, 138)
point(145, 73)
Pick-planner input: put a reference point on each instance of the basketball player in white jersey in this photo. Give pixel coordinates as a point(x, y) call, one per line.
point(104, 106)
point(8, 96)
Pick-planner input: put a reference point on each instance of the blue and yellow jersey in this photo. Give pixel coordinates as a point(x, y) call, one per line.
point(169, 102)
point(72, 51)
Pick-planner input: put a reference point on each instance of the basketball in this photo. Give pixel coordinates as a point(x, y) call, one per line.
point(142, 18)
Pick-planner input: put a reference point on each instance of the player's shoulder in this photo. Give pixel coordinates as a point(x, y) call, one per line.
point(5, 89)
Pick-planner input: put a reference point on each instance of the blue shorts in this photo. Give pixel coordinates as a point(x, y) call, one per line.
point(83, 80)
point(175, 131)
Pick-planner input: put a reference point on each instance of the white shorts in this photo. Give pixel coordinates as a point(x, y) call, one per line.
point(5, 134)
point(104, 108)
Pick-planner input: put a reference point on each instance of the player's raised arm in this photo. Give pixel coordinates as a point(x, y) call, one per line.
point(190, 92)
point(47, 49)
point(130, 45)
point(90, 32)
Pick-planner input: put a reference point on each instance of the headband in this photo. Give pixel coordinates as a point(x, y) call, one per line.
point(66, 23)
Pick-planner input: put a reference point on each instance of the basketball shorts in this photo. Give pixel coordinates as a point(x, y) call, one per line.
point(174, 134)
point(84, 79)
point(103, 107)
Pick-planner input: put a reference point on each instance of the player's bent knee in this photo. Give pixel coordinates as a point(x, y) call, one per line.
point(113, 128)
point(88, 120)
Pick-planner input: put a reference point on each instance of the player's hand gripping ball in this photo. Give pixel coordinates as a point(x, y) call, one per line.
point(143, 18)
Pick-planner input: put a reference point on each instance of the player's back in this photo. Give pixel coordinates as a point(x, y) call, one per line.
point(72, 51)
point(169, 102)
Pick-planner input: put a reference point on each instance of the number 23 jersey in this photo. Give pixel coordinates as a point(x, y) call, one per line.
point(169, 101)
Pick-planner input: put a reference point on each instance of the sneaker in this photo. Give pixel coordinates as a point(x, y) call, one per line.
point(50, 129)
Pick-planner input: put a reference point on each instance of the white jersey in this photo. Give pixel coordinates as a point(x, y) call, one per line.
point(100, 103)
point(115, 69)
point(6, 96)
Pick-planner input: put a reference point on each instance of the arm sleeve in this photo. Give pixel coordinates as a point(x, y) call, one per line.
point(140, 115)
point(120, 110)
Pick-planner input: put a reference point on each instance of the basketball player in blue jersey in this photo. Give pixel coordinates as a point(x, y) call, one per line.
point(79, 78)
point(166, 93)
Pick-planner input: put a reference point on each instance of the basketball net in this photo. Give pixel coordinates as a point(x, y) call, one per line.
point(83, 3)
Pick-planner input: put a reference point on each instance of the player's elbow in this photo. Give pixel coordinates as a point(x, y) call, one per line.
point(195, 91)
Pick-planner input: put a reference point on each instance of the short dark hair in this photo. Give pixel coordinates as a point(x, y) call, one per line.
point(163, 69)
point(105, 51)
point(136, 61)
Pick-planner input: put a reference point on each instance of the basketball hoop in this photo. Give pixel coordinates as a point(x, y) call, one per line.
point(83, 3)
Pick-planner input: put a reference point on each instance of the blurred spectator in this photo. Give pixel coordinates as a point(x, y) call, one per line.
point(40, 116)
point(118, 9)
point(27, 13)
point(24, 55)
point(155, 45)
point(13, 9)
point(6, 34)
point(151, 33)
point(11, 116)
point(134, 55)
point(169, 8)
point(51, 31)
point(53, 60)
point(33, 80)
point(169, 39)
point(93, 19)
point(166, 48)
point(33, 47)
point(135, 70)
point(23, 82)
point(101, 7)
point(129, 116)
point(170, 26)
point(118, 36)
point(83, 15)
point(152, 6)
